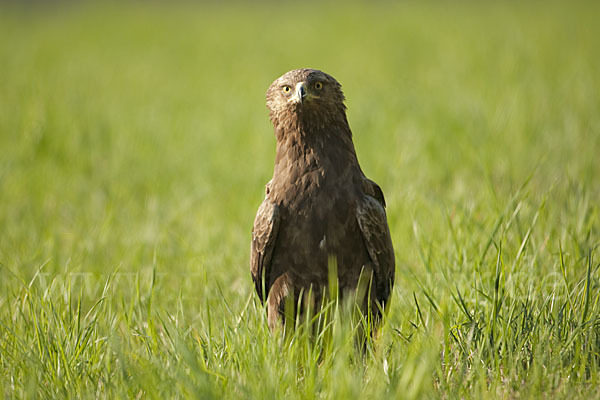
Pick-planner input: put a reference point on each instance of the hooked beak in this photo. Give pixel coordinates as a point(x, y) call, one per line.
point(300, 93)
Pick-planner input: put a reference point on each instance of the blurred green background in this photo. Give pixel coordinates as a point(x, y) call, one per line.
point(127, 129)
point(134, 138)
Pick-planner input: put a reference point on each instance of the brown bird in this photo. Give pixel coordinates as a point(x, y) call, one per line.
point(319, 206)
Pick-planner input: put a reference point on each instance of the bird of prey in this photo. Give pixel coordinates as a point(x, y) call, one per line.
point(319, 207)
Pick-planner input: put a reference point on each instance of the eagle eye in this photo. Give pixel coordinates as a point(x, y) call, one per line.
point(318, 85)
point(286, 89)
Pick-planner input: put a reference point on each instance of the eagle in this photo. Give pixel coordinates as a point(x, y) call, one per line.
point(319, 208)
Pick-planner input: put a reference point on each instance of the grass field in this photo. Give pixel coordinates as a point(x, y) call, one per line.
point(134, 149)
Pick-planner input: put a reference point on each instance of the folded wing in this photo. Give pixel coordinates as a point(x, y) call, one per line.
point(373, 224)
point(264, 235)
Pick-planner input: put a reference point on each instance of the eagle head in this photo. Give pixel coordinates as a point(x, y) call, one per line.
point(305, 99)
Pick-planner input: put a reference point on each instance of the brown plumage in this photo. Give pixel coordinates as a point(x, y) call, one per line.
point(319, 205)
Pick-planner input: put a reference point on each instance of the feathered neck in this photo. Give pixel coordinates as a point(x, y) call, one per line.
point(307, 121)
point(304, 147)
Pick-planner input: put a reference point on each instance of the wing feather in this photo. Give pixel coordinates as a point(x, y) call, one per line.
point(264, 235)
point(372, 221)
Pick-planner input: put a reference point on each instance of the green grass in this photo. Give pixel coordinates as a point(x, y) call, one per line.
point(134, 146)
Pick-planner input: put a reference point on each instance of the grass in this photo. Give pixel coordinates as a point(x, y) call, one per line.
point(135, 145)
